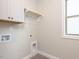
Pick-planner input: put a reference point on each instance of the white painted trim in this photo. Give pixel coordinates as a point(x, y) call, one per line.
point(63, 17)
point(71, 37)
point(47, 55)
point(63, 24)
point(27, 57)
point(42, 53)
point(30, 55)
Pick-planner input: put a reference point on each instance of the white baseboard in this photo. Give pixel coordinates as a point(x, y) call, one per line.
point(30, 55)
point(27, 57)
point(42, 53)
point(47, 55)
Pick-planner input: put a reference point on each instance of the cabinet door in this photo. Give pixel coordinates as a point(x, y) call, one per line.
point(17, 10)
point(4, 9)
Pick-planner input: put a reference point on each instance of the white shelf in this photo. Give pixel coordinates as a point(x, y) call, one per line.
point(32, 13)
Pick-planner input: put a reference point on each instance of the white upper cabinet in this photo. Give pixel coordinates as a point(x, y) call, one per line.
point(12, 10)
point(4, 9)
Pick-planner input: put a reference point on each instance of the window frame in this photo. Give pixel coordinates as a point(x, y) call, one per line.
point(64, 22)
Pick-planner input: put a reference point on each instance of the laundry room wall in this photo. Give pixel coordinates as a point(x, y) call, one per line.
point(19, 45)
point(51, 39)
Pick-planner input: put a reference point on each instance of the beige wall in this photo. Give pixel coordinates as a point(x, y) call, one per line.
point(33, 24)
point(30, 4)
point(51, 40)
point(19, 46)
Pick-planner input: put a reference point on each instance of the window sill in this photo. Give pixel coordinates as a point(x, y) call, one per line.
point(70, 37)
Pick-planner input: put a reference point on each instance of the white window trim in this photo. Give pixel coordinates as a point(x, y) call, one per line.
point(64, 35)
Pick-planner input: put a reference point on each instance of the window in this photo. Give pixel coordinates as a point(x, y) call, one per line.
point(71, 18)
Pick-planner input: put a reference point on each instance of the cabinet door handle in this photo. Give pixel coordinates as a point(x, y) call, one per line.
point(8, 17)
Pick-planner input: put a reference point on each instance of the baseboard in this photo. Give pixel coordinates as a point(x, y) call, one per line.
point(27, 57)
point(30, 55)
point(42, 53)
point(48, 55)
